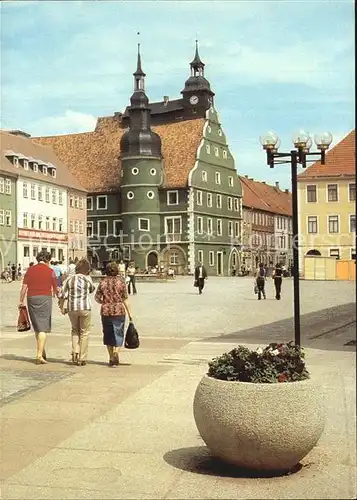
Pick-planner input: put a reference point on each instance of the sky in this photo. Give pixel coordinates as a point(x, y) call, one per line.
point(274, 65)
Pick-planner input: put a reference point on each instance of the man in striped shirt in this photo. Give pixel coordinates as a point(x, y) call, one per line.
point(77, 289)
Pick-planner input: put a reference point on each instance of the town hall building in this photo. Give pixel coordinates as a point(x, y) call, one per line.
point(163, 188)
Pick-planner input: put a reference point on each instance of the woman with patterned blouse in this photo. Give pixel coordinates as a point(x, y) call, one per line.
point(113, 297)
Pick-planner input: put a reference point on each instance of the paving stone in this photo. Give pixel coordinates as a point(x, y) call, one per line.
point(14, 385)
point(129, 432)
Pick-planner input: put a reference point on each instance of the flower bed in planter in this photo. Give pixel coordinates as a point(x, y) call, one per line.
point(259, 409)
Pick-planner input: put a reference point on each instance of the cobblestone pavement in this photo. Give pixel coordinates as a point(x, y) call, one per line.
point(174, 309)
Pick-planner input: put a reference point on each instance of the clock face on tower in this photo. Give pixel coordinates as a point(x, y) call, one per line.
point(193, 100)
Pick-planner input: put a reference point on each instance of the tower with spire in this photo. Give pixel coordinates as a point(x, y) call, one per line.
point(197, 94)
point(142, 172)
point(140, 139)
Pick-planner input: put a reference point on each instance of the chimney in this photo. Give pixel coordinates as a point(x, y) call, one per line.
point(263, 182)
point(20, 133)
point(166, 100)
point(277, 185)
point(286, 190)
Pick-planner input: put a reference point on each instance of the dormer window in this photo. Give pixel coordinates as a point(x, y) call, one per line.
point(44, 170)
point(53, 173)
point(216, 151)
point(35, 167)
point(26, 164)
point(15, 161)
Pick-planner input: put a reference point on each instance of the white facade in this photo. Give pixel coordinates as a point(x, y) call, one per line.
point(42, 220)
point(283, 239)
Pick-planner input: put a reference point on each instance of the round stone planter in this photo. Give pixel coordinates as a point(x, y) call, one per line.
point(259, 426)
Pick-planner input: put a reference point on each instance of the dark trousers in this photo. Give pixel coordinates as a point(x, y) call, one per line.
point(261, 288)
point(131, 284)
point(277, 283)
point(201, 284)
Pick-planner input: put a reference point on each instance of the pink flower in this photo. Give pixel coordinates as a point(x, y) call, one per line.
point(282, 377)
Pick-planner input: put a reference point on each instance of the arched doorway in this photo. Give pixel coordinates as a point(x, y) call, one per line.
point(152, 259)
point(173, 256)
point(313, 252)
point(233, 261)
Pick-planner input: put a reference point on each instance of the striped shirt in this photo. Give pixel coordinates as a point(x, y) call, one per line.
point(77, 289)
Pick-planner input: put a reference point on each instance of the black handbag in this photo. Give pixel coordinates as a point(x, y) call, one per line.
point(195, 283)
point(132, 340)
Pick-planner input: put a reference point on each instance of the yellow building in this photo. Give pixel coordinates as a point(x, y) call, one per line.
point(326, 197)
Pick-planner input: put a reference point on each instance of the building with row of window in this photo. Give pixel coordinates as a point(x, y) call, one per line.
point(37, 210)
point(162, 184)
point(327, 201)
point(267, 224)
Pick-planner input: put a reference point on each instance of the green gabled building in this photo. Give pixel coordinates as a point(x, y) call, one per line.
point(163, 188)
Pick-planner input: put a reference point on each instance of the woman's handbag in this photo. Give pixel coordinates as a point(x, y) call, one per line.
point(132, 340)
point(23, 320)
point(195, 283)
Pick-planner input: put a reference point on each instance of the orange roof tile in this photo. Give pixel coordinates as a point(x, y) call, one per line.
point(29, 149)
point(340, 161)
point(93, 157)
point(262, 196)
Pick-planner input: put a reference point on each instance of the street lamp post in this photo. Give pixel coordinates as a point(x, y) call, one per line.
point(301, 155)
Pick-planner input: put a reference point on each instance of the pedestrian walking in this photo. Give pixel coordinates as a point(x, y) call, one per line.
point(278, 279)
point(122, 269)
point(113, 297)
point(40, 285)
point(130, 272)
point(13, 272)
point(58, 272)
point(19, 272)
point(260, 281)
point(77, 289)
point(71, 270)
point(200, 276)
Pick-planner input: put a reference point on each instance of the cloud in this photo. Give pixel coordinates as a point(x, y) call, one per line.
point(69, 122)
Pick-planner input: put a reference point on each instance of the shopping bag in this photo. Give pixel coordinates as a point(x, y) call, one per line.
point(23, 320)
point(132, 340)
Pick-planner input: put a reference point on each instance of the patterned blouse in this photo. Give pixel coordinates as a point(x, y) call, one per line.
point(111, 293)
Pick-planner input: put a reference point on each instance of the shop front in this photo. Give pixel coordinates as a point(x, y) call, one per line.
point(31, 242)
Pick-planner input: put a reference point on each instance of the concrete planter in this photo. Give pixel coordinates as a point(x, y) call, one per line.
point(259, 426)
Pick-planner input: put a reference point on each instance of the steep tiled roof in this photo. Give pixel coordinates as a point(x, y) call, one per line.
point(340, 161)
point(264, 197)
point(25, 147)
point(93, 157)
